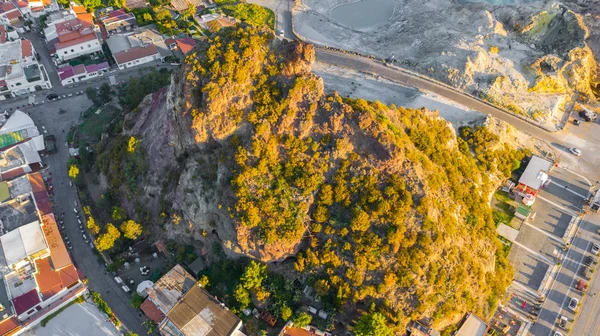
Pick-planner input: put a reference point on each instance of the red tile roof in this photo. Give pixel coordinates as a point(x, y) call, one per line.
point(22, 4)
point(82, 39)
point(153, 313)
point(129, 55)
point(7, 6)
point(43, 202)
point(26, 49)
point(186, 44)
point(78, 9)
point(69, 36)
point(79, 69)
point(117, 13)
point(2, 34)
point(9, 326)
point(58, 252)
point(13, 15)
point(26, 301)
point(13, 173)
point(86, 17)
point(51, 281)
point(37, 182)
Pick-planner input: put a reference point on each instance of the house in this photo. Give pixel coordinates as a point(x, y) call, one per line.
point(214, 22)
point(18, 128)
point(131, 4)
point(182, 5)
point(472, 326)
point(9, 13)
point(116, 22)
point(417, 329)
point(138, 47)
point(7, 34)
point(534, 177)
point(73, 38)
point(36, 8)
point(199, 313)
point(20, 72)
point(36, 271)
point(290, 330)
point(19, 160)
point(72, 74)
point(165, 292)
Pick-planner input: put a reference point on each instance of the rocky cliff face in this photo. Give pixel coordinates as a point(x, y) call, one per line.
point(530, 58)
point(382, 203)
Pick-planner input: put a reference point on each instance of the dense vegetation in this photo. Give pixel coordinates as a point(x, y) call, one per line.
point(393, 208)
point(250, 13)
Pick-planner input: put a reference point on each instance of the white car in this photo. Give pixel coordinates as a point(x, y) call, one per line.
point(281, 33)
point(595, 248)
point(574, 303)
point(575, 151)
point(558, 334)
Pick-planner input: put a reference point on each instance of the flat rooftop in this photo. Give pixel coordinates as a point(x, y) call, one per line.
point(16, 213)
point(10, 51)
point(19, 186)
point(536, 172)
point(20, 283)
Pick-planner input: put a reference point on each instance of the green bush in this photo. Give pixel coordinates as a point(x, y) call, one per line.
point(251, 13)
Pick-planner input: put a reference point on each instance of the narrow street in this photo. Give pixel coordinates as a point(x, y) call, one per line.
point(86, 258)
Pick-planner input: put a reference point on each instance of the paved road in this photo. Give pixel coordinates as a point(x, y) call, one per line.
point(86, 259)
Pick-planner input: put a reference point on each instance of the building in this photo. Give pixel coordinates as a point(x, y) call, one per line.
point(72, 74)
point(183, 44)
point(417, 329)
point(19, 127)
point(72, 37)
point(37, 276)
point(7, 34)
point(9, 13)
point(534, 177)
point(137, 48)
point(117, 22)
point(19, 160)
point(199, 313)
point(290, 330)
point(36, 8)
point(472, 326)
point(20, 72)
point(181, 307)
point(182, 5)
point(214, 22)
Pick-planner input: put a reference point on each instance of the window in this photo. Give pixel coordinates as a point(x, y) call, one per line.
point(18, 84)
point(89, 45)
point(81, 47)
point(65, 52)
point(72, 50)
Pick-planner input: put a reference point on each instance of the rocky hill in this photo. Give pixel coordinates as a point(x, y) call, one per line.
point(531, 58)
point(377, 204)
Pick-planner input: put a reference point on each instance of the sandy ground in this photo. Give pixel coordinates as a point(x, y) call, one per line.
point(78, 319)
point(357, 85)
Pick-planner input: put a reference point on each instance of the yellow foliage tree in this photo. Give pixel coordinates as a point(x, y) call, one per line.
point(107, 240)
point(132, 144)
point(92, 226)
point(131, 229)
point(73, 171)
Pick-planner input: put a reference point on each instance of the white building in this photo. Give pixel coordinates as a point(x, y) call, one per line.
point(20, 72)
point(72, 38)
point(9, 13)
point(72, 74)
point(135, 49)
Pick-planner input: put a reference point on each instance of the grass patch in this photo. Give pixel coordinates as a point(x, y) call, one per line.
point(502, 208)
point(95, 124)
point(79, 299)
point(226, 2)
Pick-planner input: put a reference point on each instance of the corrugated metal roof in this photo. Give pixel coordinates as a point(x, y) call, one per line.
point(58, 252)
point(473, 326)
point(18, 121)
point(531, 175)
point(23, 242)
point(170, 288)
point(198, 313)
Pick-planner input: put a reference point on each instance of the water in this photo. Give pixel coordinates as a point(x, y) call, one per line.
point(364, 14)
point(496, 2)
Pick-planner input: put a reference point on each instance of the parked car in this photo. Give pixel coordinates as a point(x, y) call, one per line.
point(574, 303)
point(576, 122)
point(585, 272)
point(575, 151)
point(581, 285)
point(595, 248)
point(587, 261)
point(51, 96)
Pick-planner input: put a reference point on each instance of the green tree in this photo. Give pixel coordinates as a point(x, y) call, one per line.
point(374, 324)
point(105, 93)
point(136, 300)
point(254, 275)
point(286, 312)
point(302, 319)
point(242, 296)
point(131, 229)
point(90, 5)
point(118, 214)
point(191, 10)
point(203, 281)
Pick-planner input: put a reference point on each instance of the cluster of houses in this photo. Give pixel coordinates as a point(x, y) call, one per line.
point(37, 275)
point(83, 45)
